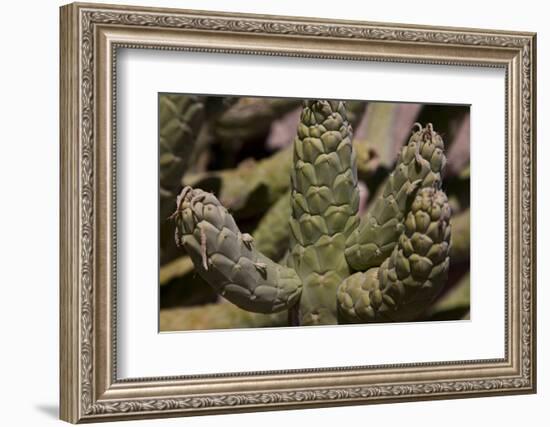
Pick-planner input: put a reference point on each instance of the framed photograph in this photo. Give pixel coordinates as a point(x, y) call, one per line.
point(267, 212)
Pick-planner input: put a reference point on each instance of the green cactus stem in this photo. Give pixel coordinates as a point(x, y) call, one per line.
point(406, 282)
point(419, 166)
point(270, 238)
point(400, 249)
point(324, 203)
point(228, 260)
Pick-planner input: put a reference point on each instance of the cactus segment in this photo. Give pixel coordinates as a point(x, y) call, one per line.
point(324, 203)
point(419, 166)
point(270, 238)
point(406, 282)
point(228, 260)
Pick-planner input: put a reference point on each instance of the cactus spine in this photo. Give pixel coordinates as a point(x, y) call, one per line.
point(388, 267)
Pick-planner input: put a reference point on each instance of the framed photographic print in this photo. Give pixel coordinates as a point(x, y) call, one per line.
point(266, 212)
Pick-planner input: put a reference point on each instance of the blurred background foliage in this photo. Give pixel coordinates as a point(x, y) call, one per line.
point(239, 148)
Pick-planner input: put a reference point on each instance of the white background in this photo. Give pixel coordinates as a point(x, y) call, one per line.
point(29, 172)
point(143, 352)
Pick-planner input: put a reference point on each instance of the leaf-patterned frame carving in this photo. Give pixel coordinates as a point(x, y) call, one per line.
point(90, 35)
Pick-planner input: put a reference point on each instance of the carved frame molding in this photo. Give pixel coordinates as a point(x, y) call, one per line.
point(90, 37)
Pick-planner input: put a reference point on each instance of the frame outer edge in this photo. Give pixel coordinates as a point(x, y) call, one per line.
point(69, 354)
point(78, 341)
point(533, 206)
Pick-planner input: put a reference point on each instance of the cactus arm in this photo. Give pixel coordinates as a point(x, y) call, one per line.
point(324, 203)
point(419, 165)
point(228, 260)
point(406, 282)
point(270, 237)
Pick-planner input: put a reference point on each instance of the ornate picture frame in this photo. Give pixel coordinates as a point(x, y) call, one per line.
point(90, 37)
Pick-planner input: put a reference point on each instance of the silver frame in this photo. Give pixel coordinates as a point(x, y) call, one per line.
point(90, 37)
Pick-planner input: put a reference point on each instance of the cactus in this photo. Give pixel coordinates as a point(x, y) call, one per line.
point(414, 272)
point(419, 165)
point(388, 266)
point(270, 237)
